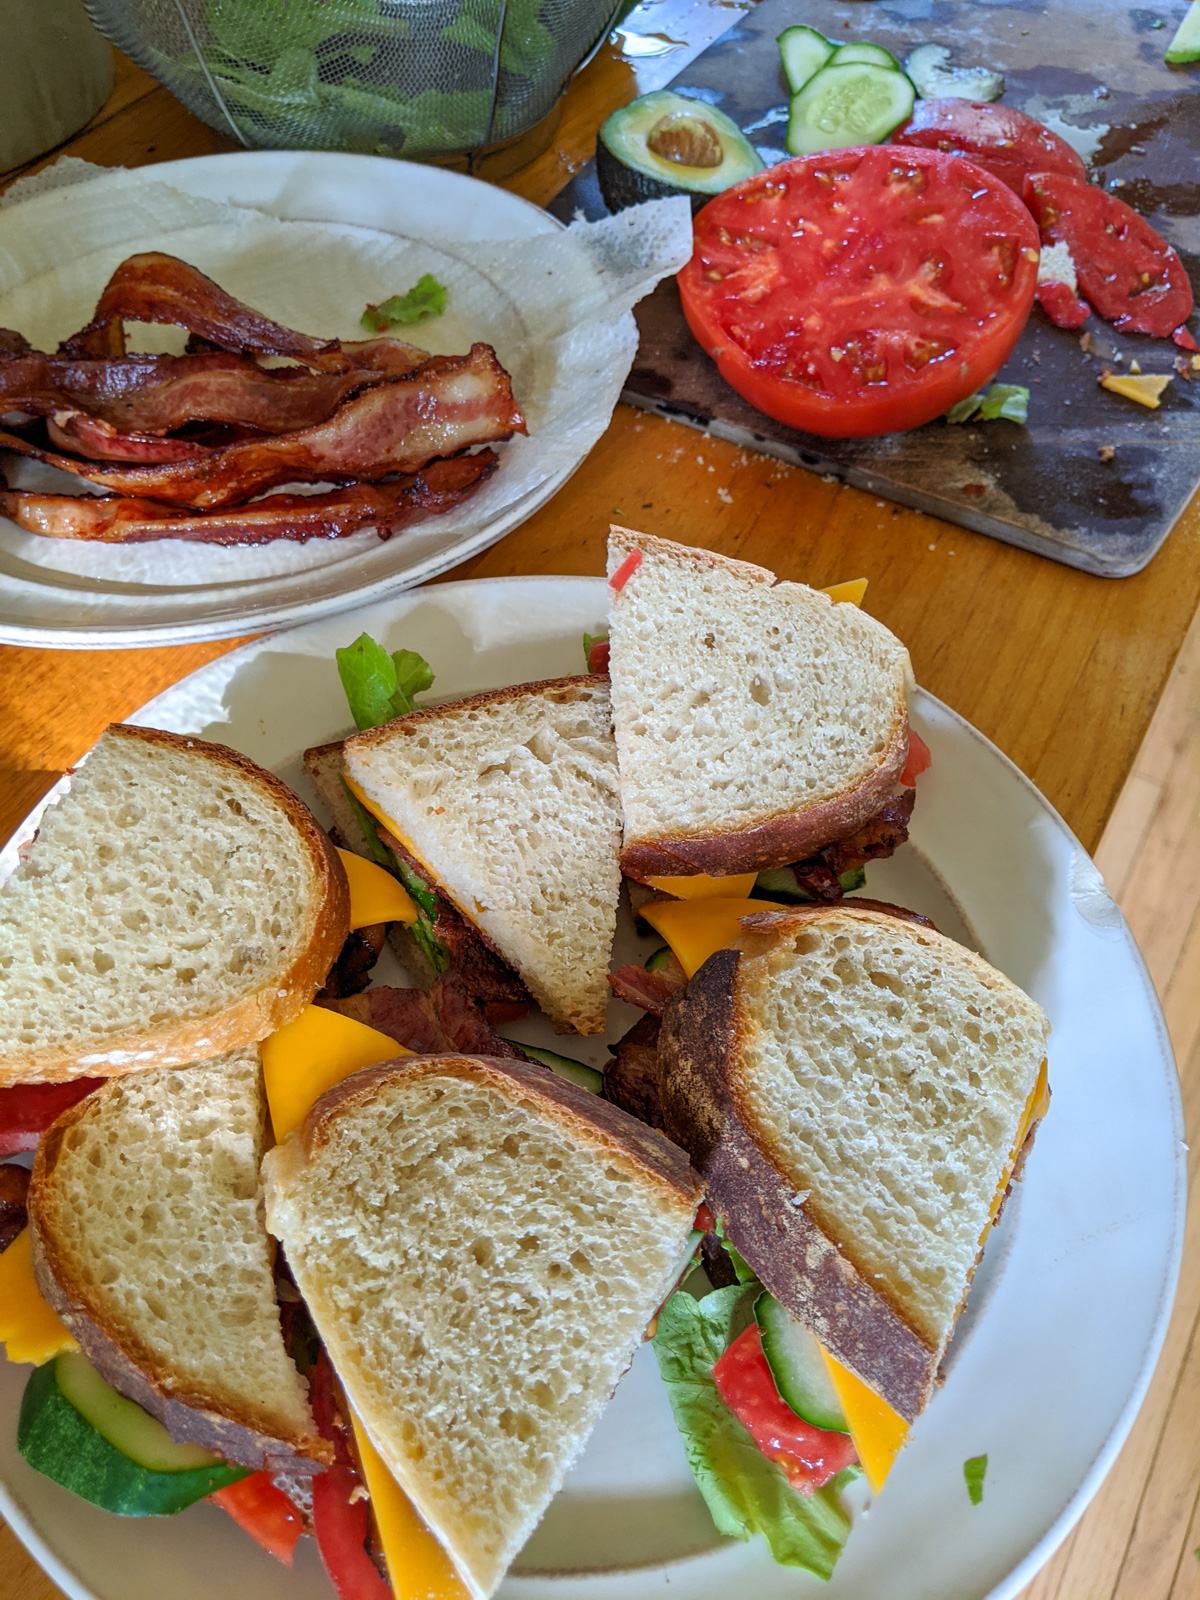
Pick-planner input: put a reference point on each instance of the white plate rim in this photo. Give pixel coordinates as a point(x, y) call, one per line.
point(1123, 1421)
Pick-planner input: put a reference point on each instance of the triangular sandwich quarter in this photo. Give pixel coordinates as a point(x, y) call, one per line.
point(178, 902)
point(146, 1216)
point(756, 722)
point(857, 1091)
point(481, 1246)
point(509, 800)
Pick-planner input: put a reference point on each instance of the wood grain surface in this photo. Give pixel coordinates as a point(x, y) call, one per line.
point(1061, 669)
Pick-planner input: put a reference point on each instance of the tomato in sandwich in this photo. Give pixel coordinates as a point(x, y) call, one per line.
point(1000, 139)
point(810, 1457)
point(861, 291)
point(1127, 271)
point(919, 760)
point(341, 1519)
point(261, 1509)
point(28, 1109)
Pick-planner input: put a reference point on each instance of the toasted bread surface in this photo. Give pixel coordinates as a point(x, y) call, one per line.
point(852, 1087)
point(178, 902)
point(510, 798)
point(755, 721)
point(147, 1222)
point(481, 1246)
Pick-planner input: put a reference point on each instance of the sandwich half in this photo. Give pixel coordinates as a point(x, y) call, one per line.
point(857, 1091)
point(507, 803)
point(146, 1221)
point(481, 1246)
point(756, 722)
point(178, 902)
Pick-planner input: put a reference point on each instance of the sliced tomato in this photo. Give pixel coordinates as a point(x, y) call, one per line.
point(1000, 139)
point(28, 1109)
point(1062, 305)
point(861, 291)
point(340, 1524)
point(598, 655)
point(919, 760)
point(625, 571)
point(261, 1509)
point(1127, 271)
point(809, 1456)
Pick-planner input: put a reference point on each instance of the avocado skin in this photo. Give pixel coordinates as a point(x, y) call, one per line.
point(624, 186)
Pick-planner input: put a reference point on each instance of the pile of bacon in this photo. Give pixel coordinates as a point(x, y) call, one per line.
point(185, 447)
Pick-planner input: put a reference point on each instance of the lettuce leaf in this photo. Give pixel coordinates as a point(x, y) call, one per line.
point(425, 300)
point(745, 1492)
point(1007, 400)
point(380, 686)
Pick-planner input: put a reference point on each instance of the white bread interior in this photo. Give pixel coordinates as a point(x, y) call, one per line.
point(481, 1265)
point(178, 902)
point(737, 700)
point(148, 1212)
point(511, 800)
point(887, 1069)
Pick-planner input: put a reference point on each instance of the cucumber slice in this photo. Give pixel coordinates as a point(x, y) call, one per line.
point(804, 52)
point(1185, 46)
point(845, 55)
point(122, 1422)
point(855, 104)
point(574, 1071)
point(779, 883)
point(661, 958)
point(798, 1366)
point(58, 1440)
point(928, 67)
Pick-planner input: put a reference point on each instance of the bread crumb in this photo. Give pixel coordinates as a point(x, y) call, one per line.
point(744, 1163)
point(1106, 451)
point(725, 497)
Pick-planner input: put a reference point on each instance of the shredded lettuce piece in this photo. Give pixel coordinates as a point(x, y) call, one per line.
point(974, 1471)
point(424, 301)
point(855, 878)
point(378, 850)
point(745, 1492)
point(1007, 400)
point(745, 1272)
point(380, 686)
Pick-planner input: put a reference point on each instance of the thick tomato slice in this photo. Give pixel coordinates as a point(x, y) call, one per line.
point(262, 1509)
point(1000, 139)
point(809, 1456)
point(861, 291)
point(1129, 273)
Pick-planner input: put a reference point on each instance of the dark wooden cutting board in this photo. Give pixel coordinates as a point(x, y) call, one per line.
point(1093, 72)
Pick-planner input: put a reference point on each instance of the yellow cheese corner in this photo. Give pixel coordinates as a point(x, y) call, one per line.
point(699, 886)
point(849, 593)
point(1146, 388)
point(878, 1431)
point(695, 929)
point(309, 1055)
point(29, 1325)
point(418, 1566)
point(375, 896)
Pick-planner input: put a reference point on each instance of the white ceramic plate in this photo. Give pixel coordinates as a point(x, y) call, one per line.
point(84, 596)
point(1067, 1314)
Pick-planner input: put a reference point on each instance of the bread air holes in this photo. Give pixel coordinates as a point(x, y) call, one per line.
point(888, 980)
point(482, 1252)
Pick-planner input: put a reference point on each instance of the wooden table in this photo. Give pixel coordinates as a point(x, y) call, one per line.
point(1060, 669)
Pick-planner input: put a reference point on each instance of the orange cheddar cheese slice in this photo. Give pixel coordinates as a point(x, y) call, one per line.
point(418, 1566)
point(878, 1431)
point(29, 1325)
point(310, 1054)
point(696, 928)
point(702, 887)
point(849, 593)
point(1035, 1107)
point(375, 896)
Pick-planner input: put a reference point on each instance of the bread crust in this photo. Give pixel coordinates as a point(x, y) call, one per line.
point(773, 840)
point(770, 1223)
point(585, 1115)
point(189, 1413)
point(254, 1016)
point(567, 689)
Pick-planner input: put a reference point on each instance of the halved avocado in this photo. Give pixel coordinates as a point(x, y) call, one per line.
point(666, 143)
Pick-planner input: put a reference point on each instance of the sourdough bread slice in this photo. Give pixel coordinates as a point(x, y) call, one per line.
point(481, 1246)
point(854, 1088)
point(146, 1217)
point(755, 721)
point(178, 902)
point(510, 800)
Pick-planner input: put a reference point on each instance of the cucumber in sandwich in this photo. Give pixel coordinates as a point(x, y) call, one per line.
point(797, 1365)
point(781, 883)
point(857, 103)
point(75, 1428)
point(665, 144)
point(566, 1067)
point(935, 79)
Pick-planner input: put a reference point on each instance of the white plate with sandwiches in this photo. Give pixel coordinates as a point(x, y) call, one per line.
point(1050, 1360)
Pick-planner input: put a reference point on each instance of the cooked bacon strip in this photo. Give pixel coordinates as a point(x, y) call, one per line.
point(155, 394)
point(13, 344)
point(447, 405)
point(631, 1077)
point(154, 287)
point(112, 520)
point(100, 441)
point(650, 990)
